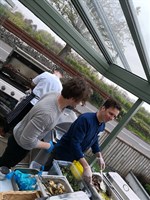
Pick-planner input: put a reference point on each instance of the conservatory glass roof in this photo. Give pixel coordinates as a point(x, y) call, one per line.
point(111, 35)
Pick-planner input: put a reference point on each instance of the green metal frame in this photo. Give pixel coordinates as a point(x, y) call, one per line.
point(127, 80)
point(91, 26)
point(79, 5)
point(58, 24)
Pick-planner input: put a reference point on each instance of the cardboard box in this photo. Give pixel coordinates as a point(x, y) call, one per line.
point(20, 195)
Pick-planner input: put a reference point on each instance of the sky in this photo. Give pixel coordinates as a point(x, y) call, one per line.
point(143, 19)
point(144, 22)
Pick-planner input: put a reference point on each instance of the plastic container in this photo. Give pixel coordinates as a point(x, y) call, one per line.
point(35, 165)
point(76, 170)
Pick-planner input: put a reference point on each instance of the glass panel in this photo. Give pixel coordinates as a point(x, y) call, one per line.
point(69, 13)
point(119, 90)
point(26, 20)
point(117, 22)
point(143, 15)
point(95, 10)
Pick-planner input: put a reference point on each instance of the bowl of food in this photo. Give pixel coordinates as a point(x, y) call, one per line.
point(54, 185)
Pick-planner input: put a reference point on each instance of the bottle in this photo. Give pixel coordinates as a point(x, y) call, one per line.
point(3, 171)
point(76, 170)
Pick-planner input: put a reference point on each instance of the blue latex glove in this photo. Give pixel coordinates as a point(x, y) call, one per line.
point(51, 147)
point(9, 175)
point(41, 170)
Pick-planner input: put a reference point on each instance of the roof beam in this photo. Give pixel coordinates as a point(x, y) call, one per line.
point(127, 80)
point(91, 26)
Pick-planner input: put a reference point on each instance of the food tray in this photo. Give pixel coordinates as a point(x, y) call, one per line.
point(57, 179)
point(26, 171)
point(99, 195)
point(56, 168)
point(77, 185)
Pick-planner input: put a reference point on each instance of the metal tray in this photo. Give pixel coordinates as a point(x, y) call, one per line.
point(110, 190)
point(56, 169)
point(56, 179)
point(26, 171)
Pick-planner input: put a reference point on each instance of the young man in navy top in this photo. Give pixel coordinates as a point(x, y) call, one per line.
point(82, 135)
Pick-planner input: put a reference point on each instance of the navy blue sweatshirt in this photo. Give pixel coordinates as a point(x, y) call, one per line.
point(82, 135)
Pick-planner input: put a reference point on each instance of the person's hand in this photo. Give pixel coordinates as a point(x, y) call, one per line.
point(87, 174)
point(51, 147)
point(101, 162)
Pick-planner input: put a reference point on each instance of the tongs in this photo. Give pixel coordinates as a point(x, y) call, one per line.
point(45, 183)
point(102, 184)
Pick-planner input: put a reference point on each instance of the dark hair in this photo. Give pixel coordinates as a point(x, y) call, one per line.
point(111, 103)
point(76, 88)
point(59, 70)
